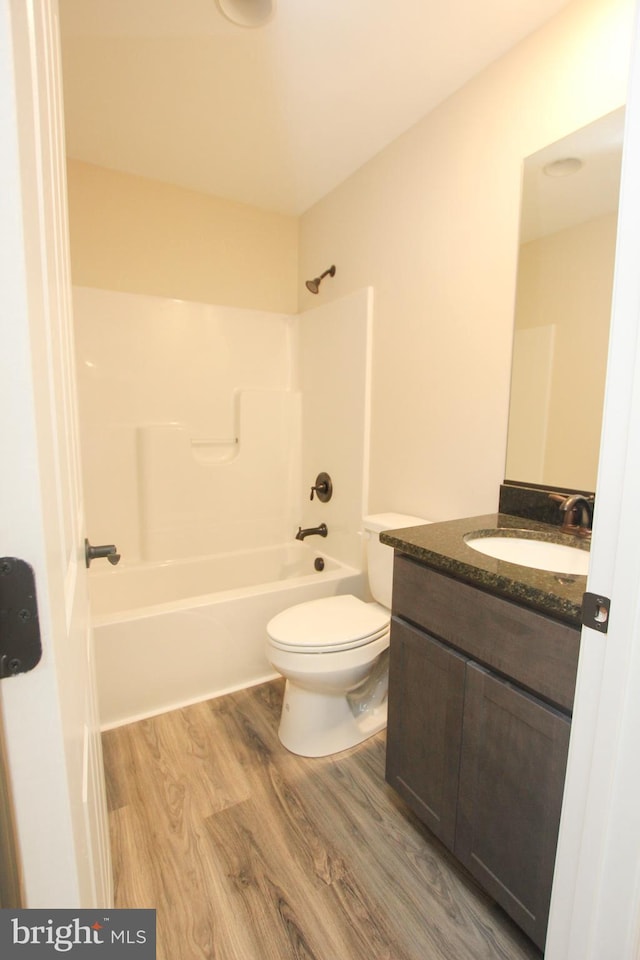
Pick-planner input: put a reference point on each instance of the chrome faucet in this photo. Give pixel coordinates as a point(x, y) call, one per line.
point(577, 513)
point(320, 531)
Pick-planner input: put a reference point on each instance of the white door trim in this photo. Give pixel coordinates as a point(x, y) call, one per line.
point(595, 909)
point(49, 713)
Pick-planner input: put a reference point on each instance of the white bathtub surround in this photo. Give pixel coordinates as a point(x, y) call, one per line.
point(153, 371)
point(334, 379)
point(203, 429)
point(166, 387)
point(232, 490)
point(163, 641)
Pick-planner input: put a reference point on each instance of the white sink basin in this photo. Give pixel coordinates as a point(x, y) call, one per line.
point(539, 554)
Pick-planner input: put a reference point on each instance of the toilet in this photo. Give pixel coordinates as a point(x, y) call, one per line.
point(333, 653)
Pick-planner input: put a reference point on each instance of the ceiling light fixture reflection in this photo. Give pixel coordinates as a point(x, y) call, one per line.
point(564, 167)
point(247, 13)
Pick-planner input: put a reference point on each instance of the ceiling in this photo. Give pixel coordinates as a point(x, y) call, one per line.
point(553, 203)
point(275, 116)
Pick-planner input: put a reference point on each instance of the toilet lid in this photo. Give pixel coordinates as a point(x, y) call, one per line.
point(329, 624)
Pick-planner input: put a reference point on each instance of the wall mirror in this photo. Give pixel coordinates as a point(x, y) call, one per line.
point(563, 303)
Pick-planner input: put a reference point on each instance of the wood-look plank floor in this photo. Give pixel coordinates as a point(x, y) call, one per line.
point(250, 853)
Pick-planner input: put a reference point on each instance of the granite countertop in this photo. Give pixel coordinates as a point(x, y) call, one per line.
point(441, 546)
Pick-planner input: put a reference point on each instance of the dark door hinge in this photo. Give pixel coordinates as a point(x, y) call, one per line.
point(20, 645)
point(595, 611)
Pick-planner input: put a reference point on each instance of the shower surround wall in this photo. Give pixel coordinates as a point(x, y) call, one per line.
point(334, 364)
point(202, 431)
point(189, 425)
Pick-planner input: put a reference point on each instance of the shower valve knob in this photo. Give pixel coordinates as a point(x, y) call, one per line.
point(323, 487)
point(105, 551)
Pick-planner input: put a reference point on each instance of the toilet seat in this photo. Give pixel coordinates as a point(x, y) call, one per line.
point(328, 625)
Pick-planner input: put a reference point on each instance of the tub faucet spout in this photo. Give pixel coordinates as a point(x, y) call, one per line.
point(320, 531)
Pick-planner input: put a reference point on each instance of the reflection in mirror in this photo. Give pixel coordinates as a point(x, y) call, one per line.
point(563, 303)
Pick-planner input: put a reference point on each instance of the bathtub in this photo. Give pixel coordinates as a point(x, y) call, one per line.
point(170, 634)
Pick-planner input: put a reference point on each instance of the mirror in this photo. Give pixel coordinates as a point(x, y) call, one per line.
point(563, 303)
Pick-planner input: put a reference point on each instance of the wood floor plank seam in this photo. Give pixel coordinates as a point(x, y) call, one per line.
point(248, 852)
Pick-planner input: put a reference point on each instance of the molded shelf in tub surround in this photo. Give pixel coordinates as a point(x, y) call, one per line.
point(441, 546)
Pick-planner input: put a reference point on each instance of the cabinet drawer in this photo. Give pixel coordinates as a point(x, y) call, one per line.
point(537, 652)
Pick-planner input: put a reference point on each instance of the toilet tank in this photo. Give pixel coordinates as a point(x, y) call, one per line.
point(379, 555)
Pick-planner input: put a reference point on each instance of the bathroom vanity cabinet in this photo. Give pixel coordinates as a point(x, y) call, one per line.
point(480, 697)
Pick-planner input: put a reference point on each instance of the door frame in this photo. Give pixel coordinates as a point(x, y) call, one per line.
point(51, 737)
point(595, 907)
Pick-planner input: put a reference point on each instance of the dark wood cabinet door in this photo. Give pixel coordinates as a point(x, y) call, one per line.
point(513, 761)
point(426, 692)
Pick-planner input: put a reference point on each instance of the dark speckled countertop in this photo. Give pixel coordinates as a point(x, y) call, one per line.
point(441, 546)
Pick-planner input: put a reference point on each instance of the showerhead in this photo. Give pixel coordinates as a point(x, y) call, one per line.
point(314, 285)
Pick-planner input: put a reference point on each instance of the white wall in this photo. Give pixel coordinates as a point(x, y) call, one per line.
point(432, 224)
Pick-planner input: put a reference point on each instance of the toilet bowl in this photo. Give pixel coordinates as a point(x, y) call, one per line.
point(333, 653)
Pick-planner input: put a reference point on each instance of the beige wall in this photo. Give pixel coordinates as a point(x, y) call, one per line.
point(565, 279)
point(140, 236)
point(432, 224)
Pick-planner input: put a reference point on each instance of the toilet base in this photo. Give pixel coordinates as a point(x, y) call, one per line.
point(318, 724)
